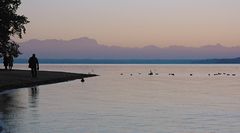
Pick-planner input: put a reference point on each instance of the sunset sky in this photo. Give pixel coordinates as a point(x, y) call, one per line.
point(135, 23)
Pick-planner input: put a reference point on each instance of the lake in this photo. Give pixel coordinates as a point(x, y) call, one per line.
point(125, 99)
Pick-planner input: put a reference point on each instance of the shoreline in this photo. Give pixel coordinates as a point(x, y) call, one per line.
point(16, 79)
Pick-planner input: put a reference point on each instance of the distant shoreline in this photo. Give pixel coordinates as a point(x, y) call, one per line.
point(133, 61)
point(22, 78)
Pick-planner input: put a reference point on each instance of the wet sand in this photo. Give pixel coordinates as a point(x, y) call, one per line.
point(22, 78)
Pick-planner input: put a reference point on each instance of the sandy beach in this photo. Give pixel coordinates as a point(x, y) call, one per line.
point(22, 78)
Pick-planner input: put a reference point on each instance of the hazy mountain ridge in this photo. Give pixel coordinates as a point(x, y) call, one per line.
point(85, 48)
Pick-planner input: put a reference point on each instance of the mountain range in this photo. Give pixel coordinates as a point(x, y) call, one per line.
point(86, 48)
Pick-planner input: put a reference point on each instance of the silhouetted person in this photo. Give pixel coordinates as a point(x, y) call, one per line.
point(5, 61)
point(34, 65)
point(10, 62)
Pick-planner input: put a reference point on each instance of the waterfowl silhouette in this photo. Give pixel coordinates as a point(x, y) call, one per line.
point(150, 73)
point(82, 80)
point(171, 74)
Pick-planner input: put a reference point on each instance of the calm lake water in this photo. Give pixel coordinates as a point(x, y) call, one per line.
point(133, 102)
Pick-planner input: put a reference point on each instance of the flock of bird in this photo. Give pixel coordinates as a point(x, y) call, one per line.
point(173, 74)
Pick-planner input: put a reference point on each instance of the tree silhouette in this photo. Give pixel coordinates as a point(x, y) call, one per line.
point(10, 24)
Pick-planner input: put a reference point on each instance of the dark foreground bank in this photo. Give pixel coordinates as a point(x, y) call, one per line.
point(22, 78)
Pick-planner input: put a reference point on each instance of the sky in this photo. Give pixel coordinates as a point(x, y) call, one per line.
point(135, 23)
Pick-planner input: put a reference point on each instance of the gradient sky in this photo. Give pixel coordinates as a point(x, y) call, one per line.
point(135, 22)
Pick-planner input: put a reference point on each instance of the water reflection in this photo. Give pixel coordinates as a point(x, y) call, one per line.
point(10, 108)
point(112, 103)
point(14, 106)
point(33, 93)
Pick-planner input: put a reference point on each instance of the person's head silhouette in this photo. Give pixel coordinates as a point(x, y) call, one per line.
point(33, 55)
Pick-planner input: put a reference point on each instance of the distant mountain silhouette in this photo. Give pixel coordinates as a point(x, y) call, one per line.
point(85, 48)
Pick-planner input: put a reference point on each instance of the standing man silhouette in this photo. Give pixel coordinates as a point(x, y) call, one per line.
point(10, 62)
point(34, 65)
point(5, 61)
